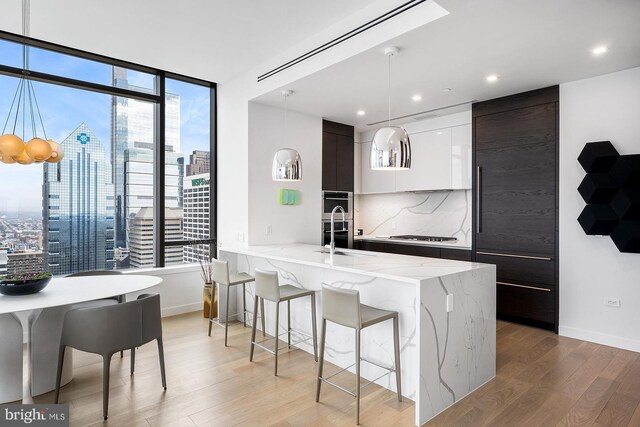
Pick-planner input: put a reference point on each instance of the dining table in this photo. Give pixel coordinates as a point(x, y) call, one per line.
point(39, 318)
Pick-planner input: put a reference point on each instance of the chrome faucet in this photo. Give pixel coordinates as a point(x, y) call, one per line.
point(332, 245)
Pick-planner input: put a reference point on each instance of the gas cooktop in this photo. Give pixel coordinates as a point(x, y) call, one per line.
point(424, 238)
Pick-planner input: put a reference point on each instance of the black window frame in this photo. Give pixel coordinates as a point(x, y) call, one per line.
point(158, 98)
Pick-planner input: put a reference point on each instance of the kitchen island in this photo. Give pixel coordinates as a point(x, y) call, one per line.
point(447, 312)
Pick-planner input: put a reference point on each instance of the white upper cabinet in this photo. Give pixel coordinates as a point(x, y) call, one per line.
point(461, 157)
point(374, 181)
point(430, 162)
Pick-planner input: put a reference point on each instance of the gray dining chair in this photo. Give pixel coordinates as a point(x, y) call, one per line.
point(101, 302)
point(109, 329)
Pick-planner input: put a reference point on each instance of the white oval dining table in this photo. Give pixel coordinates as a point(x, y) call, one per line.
point(40, 317)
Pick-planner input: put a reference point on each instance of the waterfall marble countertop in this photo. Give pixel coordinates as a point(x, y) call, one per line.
point(386, 239)
point(403, 268)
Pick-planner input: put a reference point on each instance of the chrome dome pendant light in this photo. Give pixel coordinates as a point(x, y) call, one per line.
point(287, 163)
point(13, 148)
point(391, 148)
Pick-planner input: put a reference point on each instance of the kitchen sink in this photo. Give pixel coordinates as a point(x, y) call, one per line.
point(326, 251)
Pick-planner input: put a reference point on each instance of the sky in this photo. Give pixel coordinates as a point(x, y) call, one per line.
point(63, 109)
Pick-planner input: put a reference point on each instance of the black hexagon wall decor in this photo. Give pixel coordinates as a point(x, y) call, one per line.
point(611, 189)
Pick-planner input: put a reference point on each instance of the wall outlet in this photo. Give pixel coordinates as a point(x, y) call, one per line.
point(612, 302)
point(269, 230)
point(449, 303)
point(240, 236)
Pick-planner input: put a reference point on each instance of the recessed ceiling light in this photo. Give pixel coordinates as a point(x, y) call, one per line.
point(361, 112)
point(439, 133)
point(447, 89)
point(417, 98)
point(600, 50)
point(492, 78)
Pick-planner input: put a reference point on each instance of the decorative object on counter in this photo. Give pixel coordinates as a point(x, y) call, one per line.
point(611, 190)
point(24, 284)
point(391, 148)
point(287, 163)
point(13, 148)
point(359, 232)
point(289, 197)
point(209, 292)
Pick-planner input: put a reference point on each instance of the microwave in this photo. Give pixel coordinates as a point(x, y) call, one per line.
point(331, 199)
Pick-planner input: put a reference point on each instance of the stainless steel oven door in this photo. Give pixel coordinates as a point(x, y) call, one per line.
point(331, 199)
point(343, 234)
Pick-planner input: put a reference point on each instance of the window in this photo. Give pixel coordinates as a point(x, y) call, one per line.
point(96, 208)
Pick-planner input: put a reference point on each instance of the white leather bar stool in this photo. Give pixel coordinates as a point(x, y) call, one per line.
point(221, 277)
point(268, 287)
point(342, 306)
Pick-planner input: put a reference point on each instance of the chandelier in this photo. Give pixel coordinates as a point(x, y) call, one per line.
point(14, 147)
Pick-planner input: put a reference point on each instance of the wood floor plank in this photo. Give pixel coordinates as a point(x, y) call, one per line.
point(618, 410)
point(588, 407)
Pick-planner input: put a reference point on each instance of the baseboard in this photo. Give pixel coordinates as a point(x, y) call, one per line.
point(599, 338)
point(181, 309)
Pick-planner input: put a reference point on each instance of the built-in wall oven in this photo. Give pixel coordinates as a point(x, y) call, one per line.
point(343, 234)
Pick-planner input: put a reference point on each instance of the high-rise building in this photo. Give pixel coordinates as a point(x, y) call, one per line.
point(4, 260)
point(141, 237)
point(78, 205)
point(24, 262)
point(199, 162)
point(196, 216)
point(132, 127)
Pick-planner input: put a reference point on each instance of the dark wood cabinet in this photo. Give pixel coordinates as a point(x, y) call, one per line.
point(337, 156)
point(415, 250)
point(515, 201)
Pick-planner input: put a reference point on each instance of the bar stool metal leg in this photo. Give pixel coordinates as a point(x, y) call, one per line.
point(358, 376)
point(323, 335)
point(226, 317)
point(244, 305)
point(275, 371)
point(289, 323)
point(396, 347)
point(255, 324)
point(313, 327)
point(264, 330)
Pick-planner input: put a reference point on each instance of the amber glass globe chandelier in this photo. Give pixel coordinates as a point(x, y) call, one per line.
point(14, 147)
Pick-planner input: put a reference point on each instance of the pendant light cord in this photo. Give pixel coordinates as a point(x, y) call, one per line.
point(389, 92)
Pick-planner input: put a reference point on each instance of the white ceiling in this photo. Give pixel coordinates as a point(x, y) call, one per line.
point(211, 39)
point(529, 43)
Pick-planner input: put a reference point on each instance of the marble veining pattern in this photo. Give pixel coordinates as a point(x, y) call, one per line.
point(444, 355)
point(434, 213)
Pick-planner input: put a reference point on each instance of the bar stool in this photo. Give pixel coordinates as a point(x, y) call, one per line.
point(220, 276)
point(267, 287)
point(342, 306)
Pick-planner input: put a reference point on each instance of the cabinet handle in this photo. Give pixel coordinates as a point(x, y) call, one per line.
point(514, 256)
point(535, 288)
point(478, 180)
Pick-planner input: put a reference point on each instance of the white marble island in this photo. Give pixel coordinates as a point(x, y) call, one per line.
point(444, 355)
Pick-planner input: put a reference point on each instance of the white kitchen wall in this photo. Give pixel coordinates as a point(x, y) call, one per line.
point(287, 224)
point(591, 268)
point(432, 213)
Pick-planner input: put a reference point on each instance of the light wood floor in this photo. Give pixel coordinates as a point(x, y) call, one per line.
point(543, 380)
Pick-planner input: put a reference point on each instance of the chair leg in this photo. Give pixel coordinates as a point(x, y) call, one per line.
point(358, 376)
point(396, 348)
point(121, 354)
point(323, 334)
point(264, 329)
point(226, 317)
point(289, 323)
point(213, 293)
point(133, 359)
point(163, 373)
point(253, 327)
point(244, 305)
point(106, 365)
point(314, 332)
point(59, 372)
point(275, 371)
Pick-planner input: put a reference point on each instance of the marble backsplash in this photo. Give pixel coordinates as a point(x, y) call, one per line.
point(434, 213)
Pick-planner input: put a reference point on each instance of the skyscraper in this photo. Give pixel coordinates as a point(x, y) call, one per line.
point(141, 237)
point(78, 205)
point(132, 128)
point(199, 162)
point(196, 216)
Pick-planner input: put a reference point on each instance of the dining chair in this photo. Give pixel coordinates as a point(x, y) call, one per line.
point(109, 329)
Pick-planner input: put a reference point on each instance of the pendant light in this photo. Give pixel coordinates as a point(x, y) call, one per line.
point(287, 164)
point(391, 148)
point(12, 147)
